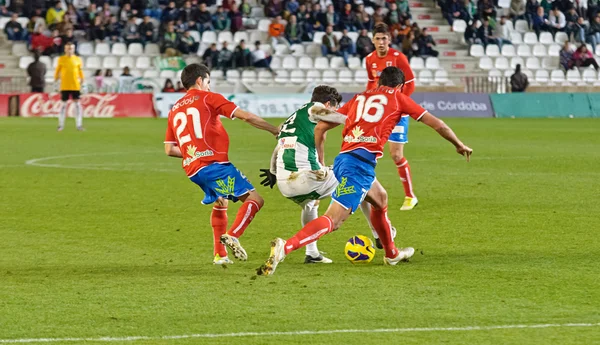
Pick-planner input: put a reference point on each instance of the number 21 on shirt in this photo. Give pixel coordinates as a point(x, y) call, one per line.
point(180, 121)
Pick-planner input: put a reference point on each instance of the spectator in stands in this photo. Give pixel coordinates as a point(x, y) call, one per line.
point(404, 29)
point(126, 13)
point(531, 7)
point(317, 18)
point(584, 58)
point(72, 16)
point(108, 73)
point(329, 43)
point(594, 31)
point(293, 31)
point(151, 8)
point(113, 29)
point(471, 34)
point(4, 12)
point(486, 34)
point(566, 56)
point(364, 19)
point(471, 10)
point(582, 33)
point(547, 5)
point(187, 44)
point(97, 31)
point(227, 5)
point(426, 44)
point(13, 29)
point(168, 87)
point(126, 81)
point(245, 8)
point(518, 81)
point(99, 80)
point(37, 74)
point(186, 14)
point(331, 17)
point(378, 16)
point(571, 28)
point(56, 46)
point(274, 8)
point(225, 58)
point(517, 9)
point(211, 56)
point(347, 47)
point(170, 13)
point(106, 12)
point(242, 57)
point(170, 40)
point(503, 32)
point(204, 19)
point(593, 9)
point(277, 31)
point(180, 87)
point(36, 23)
point(396, 40)
point(236, 17)
point(404, 8)
point(394, 16)
point(39, 41)
point(455, 10)
point(410, 47)
point(90, 15)
point(348, 19)
point(539, 21)
point(486, 10)
point(557, 21)
point(68, 37)
point(261, 58)
point(65, 25)
point(364, 44)
point(221, 20)
point(292, 6)
point(55, 14)
point(146, 29)
point(81, 5)
point(131, 33)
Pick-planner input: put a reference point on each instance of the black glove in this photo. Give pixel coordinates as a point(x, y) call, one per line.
point(270, 179)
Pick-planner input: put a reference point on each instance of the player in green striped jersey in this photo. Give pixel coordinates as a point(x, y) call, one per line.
point(297, 168)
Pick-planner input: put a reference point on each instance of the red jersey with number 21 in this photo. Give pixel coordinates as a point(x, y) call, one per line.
point(195, 126)
point(371, 117)
point(375, 65)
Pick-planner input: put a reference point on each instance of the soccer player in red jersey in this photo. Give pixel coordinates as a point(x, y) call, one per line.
point(195, 134)
point(383, 57)
point(371, 118)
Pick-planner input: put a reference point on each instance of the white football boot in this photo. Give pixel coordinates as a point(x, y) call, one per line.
point(235, 246)
point(403, 255)
point(277, 255)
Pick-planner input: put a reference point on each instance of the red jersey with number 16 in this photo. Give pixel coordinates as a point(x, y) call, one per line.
point(375, 65)
point(371, 117)
point(195, 126)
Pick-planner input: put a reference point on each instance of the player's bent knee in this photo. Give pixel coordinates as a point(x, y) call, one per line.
point(253, 195)
point(221, 202)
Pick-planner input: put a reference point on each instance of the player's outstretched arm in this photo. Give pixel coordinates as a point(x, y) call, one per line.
point(173, 150)
point(255, 121)
point(320, 135)
point(446, 132)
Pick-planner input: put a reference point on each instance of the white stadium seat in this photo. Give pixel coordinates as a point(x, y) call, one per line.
point(517, 61)
point(267, 48)
point(225, 36)
point(110, 62)
point(502, 63)
point(492, 50)
point(361, 76)
point(354, 63)
point(168, 74)
point(346, 76)
point(477, 50)
point(541, 76)
point(425, 76)
point(560, 38)
point(305, 63)
point(257, 36)
point(217, 74)
point(589, 75)
point(209, 37)
point(508, 50)
point(3, 22)
point(528, 73)
point(24, 21)
point(459, 26)
point(554, 50)
point(297, 50)
point(441, 76)
point(241, 35)
point(93, 62)
point(283, 77)
point(486, 63)
point(85, 49)
point(152, 73)
point(432, 63)
point(281, 50)
point(297, 77)
point(330, 77)
point(313, 49)
point(353, 36)
point(55, 62)
point(524, 50)
point(196, 36)
point(136, 49)
point(546, 38)
point(313, 76)
point(119, 49)
point(504, 3)
point(516, 37)
point(494, 73)
point(321, 63)
point(289, 62)
point(143, 62)
point(249, 76)
point(263, 25)
point(573, 76)
point(539, 50)
point(46, 61)
point(533, 63)
point(127, 61)
point(417, 63)
point(337, 62)
point(24, 61)
point(233, 75)
point(557, 76)
point(318, 37)
point(102, 49)
point(598, 50)
point(152, 49)
point(530, 38)
point(257, 12)
point(277, 62)
point(549, 63)
point(338, 35)
point(521, 26)
point(19, 49)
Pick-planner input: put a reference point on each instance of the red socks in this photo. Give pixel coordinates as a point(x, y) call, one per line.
point(218, 221)
point(311, 232)
point(243, 218)
point(404, 172)
point(382, 225)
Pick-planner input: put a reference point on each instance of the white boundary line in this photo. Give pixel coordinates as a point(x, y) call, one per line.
point(271, 334)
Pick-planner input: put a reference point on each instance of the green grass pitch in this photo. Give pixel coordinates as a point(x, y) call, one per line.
point(102, 235)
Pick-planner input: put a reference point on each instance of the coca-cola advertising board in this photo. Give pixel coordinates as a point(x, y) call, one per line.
point(94, 105)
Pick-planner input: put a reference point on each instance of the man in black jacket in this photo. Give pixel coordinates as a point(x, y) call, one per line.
point(13, 29)
point(146, 30)
point(37, 73)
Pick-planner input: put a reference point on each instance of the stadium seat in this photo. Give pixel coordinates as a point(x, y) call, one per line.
point(477, 50)
point(597, 50)
point(93, 62)
point(297, 50)
point(152, 49)
point(353, 36)
point(589, 75)
point(241, 35)
point(330, 77)
point(504, 3)
point(257, 12)
point(152, 73)
point(530, 38)
point(502, 63)
point(46, 61)
point(338, 35)
point(516, 38)
point(85, 49)
point(318, 37)
point(573, 76)
point(486, 63)
point(549, 63)
point(313, 50)
point(528, 73)
point(432, 63)
point(263, 25)
point(233, 75)
point(459, 26)
point(508, 50)
point(257, 36)
point(354, 63)
point(425, 76)
point(209, 37)
point(541, 76)
point(509, 24)
point(136, 49)
point(289, 62)
point(509, 72)
point(249, 76)
point(557, 76)
point(533, 63)
point(19, 49)
point(297, 77)
point(441, 76)
point(283, 77)
point(277, 62)
point(313, 76)
point(524, 50)
point(554, 50)
point(516, 61)
point(267, 48)
point(55, 62)
point(305, 63)
point(225, 36)
point(492, 50)
point(102, 49)
point(119, 49)
point(281, 50)
point(217, 74)
point(417, 63)
point(546, 38)
point(321, 63)
point(111, 62)
point(361, 76)
point(167, 74)
point(143, 62)
point(23, 21)
point(3, 22)
point(521, 26)
point(127, 61)
point(494, 73)
point(560, 38)
point(24, 61)
point(337, 62)
point(539, 50)
point(346, 76)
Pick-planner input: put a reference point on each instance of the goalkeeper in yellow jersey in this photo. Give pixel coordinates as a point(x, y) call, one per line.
point(69, 71)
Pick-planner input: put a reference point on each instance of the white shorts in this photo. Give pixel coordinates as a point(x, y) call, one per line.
point(306, 185)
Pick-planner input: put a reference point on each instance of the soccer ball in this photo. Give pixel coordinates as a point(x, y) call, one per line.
point(359, 249)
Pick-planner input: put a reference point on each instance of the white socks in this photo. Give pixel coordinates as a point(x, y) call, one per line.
point(310, 212)
point(78, 115)
point(365, 207)
point(62, 115)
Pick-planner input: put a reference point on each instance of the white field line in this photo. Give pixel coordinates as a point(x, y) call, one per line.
point(295, 333)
